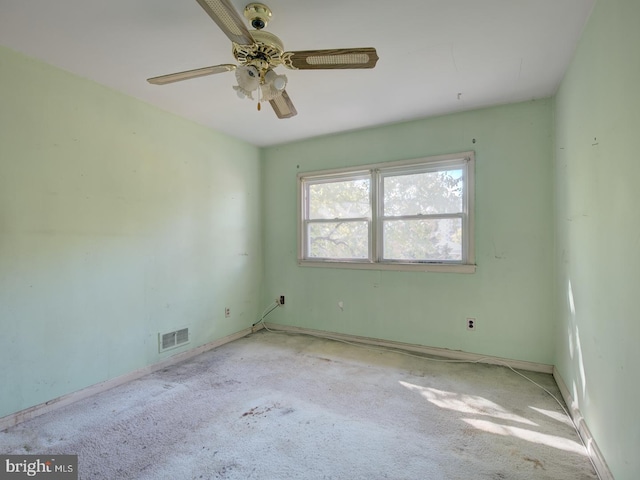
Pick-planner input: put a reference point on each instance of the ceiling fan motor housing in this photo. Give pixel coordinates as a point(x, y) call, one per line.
point(266, 51)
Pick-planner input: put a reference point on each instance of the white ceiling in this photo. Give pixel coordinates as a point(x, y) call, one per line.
point(489, 51)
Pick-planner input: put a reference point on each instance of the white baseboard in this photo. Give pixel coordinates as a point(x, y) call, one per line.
point(37, 410)
point(592, 447)
point(434, 351)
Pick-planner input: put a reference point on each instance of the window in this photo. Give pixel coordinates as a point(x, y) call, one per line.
point(409, 215)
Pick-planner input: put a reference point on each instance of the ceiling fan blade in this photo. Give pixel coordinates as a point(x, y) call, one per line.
point(198, 72)
point(227, 18)
point(283, 106)
point(336, 58)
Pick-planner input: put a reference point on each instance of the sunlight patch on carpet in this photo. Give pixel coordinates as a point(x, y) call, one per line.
point(466, 403)
point(528, 435)
point(560, 417)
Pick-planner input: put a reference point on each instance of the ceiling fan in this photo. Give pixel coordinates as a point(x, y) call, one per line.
point(258, 53)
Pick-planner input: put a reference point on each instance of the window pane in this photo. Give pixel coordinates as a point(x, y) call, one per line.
point(423, 240)
point(423, 193)
point(339, 240)
point(342, 199)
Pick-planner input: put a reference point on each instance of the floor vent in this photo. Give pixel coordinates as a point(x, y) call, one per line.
point(167, 341)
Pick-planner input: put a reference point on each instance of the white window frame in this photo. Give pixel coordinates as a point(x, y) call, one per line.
point(376, 173)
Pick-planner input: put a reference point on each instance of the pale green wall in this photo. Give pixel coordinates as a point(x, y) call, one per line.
point(117, 221)
point(511, 292)
point(598, 231)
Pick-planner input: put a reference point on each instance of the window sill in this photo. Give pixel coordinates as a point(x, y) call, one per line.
point(404, 267)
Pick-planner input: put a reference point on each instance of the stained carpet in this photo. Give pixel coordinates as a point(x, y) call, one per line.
point(278, 406)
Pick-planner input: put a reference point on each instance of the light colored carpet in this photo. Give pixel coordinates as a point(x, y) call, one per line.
point(278, 406)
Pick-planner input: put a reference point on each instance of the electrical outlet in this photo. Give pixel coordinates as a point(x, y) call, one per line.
point(227, 312)
point(471, 324)
point(281, 300)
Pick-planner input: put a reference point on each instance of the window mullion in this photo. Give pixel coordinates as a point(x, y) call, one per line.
point(377, 194)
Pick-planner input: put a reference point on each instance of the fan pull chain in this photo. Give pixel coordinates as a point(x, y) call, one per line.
point(259, 96)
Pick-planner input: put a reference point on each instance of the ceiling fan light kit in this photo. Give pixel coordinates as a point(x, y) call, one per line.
point(258, 53)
